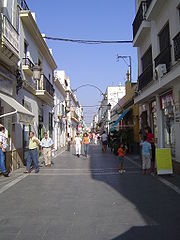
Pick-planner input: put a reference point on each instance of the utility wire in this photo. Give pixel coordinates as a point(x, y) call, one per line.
point(81, 41)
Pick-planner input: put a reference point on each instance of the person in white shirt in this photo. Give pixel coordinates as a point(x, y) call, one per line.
point(46, 147)
point(78, 142)
point(3, 146)
point(104, 141)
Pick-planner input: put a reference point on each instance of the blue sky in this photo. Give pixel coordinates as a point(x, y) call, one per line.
point(94, 20)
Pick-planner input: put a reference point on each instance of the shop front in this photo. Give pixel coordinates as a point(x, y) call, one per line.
point(153, 119)
point(14, 116)
point(168, 121)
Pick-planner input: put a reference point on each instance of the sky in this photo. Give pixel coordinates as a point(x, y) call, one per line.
point(89, 64)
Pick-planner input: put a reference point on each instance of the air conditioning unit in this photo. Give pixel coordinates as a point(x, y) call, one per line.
point(160, 70)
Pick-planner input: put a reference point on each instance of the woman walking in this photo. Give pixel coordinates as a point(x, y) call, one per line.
point(86, 142)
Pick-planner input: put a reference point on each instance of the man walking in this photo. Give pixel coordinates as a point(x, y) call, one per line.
point(33, 153)
point(46, 147)
point(3, 146)
point(78, 142)
point(104, 141)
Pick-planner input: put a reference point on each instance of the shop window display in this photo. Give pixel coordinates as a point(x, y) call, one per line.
point(168, 122)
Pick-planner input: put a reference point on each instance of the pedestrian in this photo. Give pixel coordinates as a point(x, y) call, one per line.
point(3, 147)
point(104, 141)
point(95, 139)
point(146, 156)
point(46, 147)
point(68, 143)
point(86, 142)
point(121, 153)
point(33, 153)
point(78, 142)
point(150, 139)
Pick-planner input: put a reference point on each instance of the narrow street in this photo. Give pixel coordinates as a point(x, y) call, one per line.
point(81, 198)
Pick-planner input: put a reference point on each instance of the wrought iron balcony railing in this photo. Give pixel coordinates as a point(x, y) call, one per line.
point(146, 77)
point(45, 84)
point(9, 33)
point(140, 16)
point(176, 40)
point(28, 62)
point(148, 3)
point(164, 58)
point(23, 4)
point(74, 115)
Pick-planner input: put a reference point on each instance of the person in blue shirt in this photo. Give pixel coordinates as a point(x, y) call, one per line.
point(146, 156)
point(46, 147)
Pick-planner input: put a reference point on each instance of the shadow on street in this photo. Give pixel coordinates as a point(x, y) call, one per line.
point(158, 205)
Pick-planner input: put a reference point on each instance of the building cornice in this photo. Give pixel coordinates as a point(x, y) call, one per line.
point(34, 31)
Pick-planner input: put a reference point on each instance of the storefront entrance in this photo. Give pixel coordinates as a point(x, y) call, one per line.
point(167, 107)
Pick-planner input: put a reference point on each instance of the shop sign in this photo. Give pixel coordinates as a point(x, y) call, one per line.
point(164, 161)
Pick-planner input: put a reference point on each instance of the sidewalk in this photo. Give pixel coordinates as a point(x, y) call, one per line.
point(19, 173)
point(173, 179)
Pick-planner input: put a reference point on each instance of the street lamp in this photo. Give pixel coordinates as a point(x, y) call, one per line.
point(109, 107)
point(129, 65)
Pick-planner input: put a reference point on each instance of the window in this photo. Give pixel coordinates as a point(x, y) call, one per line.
point(164, 38)
point(178, 8)
point(25, 48)
point(50, 124)
point(147, 59)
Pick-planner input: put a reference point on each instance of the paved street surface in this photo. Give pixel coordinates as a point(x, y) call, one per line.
point(88, 199)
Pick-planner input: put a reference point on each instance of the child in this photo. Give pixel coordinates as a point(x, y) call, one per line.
point(121, 154)
point(146, 156)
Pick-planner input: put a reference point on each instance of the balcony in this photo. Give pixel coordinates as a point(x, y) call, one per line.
point(23, 5)
point(176, 40)
point(74, 116)
point(27, 66)
point(153, 8)
point(145, 78)
point(148, 3)
point(164, 58)
point(140, 25)
point(9, 41)
point(45, 90)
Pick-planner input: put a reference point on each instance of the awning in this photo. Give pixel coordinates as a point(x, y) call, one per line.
point(121, 117)
point(22, 114)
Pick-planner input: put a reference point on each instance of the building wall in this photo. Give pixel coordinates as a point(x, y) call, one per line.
point(167, 12)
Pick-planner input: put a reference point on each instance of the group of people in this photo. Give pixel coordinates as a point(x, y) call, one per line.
point(46, 145)
point(78, 143)
point(147, 152)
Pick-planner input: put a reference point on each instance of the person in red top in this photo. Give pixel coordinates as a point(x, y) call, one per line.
point(150, 139)
point(121, 153)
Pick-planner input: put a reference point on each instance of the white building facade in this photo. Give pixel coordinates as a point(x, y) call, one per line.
point(156, 34)
point(59, 110)
point(37, 94)
point(110, 99)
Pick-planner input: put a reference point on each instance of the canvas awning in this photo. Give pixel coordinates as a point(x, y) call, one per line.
point(22, 114)
point(120, 118)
